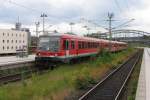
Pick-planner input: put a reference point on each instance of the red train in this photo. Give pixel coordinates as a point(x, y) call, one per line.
point(65, 47)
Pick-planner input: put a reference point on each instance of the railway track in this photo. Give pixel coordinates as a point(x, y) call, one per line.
point(15, 77)
point(111, 87)
point(20, 76)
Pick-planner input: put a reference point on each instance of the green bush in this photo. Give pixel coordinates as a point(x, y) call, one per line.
point(83, 79)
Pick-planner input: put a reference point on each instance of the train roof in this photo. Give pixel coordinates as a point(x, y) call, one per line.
point(81, 37)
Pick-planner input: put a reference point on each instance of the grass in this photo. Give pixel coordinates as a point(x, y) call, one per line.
point(61, 82)
point(133, 82)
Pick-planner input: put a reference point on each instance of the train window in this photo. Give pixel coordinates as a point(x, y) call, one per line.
point(66, 44)
point(92, 45)
point(88, 44)
point(82, 45)
point(79, 45)
point(48, 43)
point(72, 44)
point(97, 45)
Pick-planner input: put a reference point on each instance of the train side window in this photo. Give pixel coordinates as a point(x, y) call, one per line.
point(66, 44)
point(88, 44)
point(80, 45)
point(72, 44)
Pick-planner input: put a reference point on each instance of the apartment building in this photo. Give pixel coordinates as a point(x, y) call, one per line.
point(12, 40)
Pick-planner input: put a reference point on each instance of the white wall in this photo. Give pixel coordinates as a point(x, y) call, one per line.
point(13, 40)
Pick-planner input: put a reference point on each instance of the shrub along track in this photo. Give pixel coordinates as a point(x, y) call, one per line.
point(111, 87)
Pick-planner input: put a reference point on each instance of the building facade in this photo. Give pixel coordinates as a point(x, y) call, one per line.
point(12, 40)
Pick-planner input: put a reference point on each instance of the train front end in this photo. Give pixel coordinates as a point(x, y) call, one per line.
point(48, 50)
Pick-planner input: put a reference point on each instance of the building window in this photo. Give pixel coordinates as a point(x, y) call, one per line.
point(3, 41)
point(16, 47)
point(3, 48)
point(7, 47)
point(16, 41)
point(7, 34)
point(23, 41)
point(19, 41)
point(7, 41)
point(3, 34)
point(12, 41)
point(20, 35)
point(12, 34)
point(16, 35)
point(12, 47)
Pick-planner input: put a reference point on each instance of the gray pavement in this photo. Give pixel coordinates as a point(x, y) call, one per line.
point(143, 89)
point(13, 59)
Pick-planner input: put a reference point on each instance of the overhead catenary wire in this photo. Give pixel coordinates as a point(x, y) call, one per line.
point(127, 5)
point(118, 5)
point(123, 24)
point(31, 9)
point(20, 5)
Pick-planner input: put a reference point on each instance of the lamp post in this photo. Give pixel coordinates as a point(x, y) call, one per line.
point(71, 24)
point(88, 29)
point(43, 16)
point(37, 26)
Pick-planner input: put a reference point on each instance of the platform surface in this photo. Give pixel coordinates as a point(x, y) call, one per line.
point(143, 89)
point(13, 59)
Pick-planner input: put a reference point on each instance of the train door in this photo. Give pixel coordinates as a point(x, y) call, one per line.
point(73, 48)
point(66, 47)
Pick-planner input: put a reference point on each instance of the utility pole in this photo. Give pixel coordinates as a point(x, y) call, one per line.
point(110, 16)
point(37, 26)
point(43, 16)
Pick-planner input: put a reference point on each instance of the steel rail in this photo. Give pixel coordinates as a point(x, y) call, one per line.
point(85, 96)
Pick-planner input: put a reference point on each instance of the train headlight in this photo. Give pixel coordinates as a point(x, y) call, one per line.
point(55, 54)
point(38, 54)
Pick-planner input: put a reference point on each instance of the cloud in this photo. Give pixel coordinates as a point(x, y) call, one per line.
point(62, 12)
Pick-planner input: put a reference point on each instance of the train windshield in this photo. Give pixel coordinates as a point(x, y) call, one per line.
point(49, 44)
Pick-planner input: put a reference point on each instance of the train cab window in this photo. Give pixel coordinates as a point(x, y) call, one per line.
point(72, 44)
point(66, 44)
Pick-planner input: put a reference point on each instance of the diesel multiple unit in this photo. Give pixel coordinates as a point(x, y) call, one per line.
point(65, 47)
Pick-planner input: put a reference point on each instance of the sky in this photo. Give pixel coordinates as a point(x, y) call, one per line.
point(91, 13)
